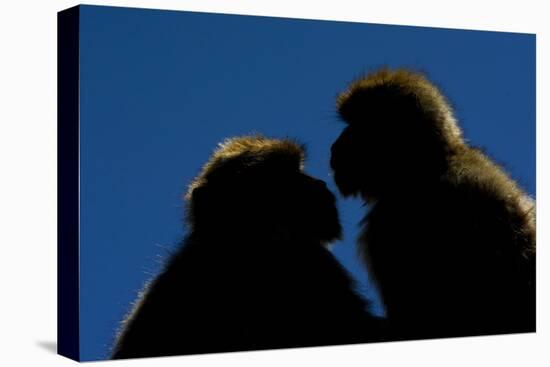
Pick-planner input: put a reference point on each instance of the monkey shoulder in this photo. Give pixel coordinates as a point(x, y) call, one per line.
point(473, 202)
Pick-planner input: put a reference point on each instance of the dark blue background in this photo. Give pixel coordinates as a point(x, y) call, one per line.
point(160, 89)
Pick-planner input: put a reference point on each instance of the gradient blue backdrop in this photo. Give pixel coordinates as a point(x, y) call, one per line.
point(160, 89)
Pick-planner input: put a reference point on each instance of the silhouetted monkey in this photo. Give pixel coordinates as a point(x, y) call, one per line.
point(254, 271)
point(449, 237)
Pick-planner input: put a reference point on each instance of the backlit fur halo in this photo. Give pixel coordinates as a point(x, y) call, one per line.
point(401, 83)
point(248, 151)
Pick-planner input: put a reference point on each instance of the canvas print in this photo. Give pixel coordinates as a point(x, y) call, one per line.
point(237, 183)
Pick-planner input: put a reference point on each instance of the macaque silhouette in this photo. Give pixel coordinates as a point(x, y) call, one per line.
point(254, 271)
point(449, 236)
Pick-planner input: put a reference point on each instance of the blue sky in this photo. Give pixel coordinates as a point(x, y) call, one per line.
point(160, 89)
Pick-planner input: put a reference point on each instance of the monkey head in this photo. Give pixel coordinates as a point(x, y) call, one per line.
point(254, 184)
point(399, 129)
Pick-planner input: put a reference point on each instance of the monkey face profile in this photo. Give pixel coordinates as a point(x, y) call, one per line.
point(394, 137)
point(344, 153)
point(371, 159)
point(255, 188)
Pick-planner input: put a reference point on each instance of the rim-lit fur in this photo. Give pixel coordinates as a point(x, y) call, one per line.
point(450, 237)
